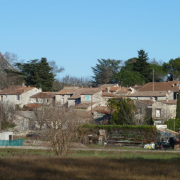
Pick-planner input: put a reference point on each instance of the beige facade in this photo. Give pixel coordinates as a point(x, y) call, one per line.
point(163, 110)
point(20, 99)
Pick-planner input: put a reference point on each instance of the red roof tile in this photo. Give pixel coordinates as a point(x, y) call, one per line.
point(16, 90)
point(159, 86)
point(44, 95)
point(33, 105)
point(108, 94)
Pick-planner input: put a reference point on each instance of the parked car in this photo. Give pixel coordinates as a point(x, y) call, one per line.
point(163, 145)
point(33, 136)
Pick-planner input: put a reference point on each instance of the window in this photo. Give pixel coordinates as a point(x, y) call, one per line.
point(155, 98)
point(158, 113)
point(87, 97)
point(18, 97)
point(36, 99)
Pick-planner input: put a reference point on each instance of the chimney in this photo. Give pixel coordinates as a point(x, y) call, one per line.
point(23, 85)
point(108, 89)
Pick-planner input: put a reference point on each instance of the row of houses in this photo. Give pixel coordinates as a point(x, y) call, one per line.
point(157, 99)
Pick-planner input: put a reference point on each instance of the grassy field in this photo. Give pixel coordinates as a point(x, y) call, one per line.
point(41, 164)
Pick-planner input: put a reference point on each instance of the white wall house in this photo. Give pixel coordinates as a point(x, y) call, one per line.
point(6, 135)
point(18, 95)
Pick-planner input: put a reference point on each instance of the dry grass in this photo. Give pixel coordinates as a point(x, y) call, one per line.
point(87, 168)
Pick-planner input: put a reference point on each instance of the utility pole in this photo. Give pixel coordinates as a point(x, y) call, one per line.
point(153, 79)
point(1, 112)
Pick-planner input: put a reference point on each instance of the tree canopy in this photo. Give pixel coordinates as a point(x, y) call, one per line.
point(105, 70)
point(173, 69)
point(122, 111)
point(36, 73)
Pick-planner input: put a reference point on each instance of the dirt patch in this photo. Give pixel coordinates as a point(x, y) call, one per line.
point(77, 145)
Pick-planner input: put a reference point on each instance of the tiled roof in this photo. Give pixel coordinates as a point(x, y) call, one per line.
point(159, 86)
point(137, 87)
point(111, 89)
point(84, 105)
point(66, 91)
point(169, 102)
point(44, 95)
point(108, 94)
point(102, 109)
point(148, 102)
point(84, 91)
point(34, 105)
point(90, 91)
point(123, 90)
point(16, 90)
point(148, 94)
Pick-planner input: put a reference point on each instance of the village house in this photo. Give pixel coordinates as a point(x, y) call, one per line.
point(160, 97)
point(18, 95)
point(45, 98)
point(62, 96)
point(163, 110)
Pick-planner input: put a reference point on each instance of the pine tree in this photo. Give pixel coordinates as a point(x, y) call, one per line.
point(178, 106)
point(142, 66)
point(37, 73)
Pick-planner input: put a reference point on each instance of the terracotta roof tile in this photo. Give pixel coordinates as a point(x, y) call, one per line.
point(16, 90)
point(146, 102)
point(102, 109)
point(123, 90)
point(148, 94)
point(84, 91)
point(44, 95)
point(66, 91)
point(34, 105)
point(159, 86)
point(84, 105)
point(169, 102)
point(108, 94)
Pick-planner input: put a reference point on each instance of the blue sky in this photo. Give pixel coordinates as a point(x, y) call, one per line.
point(75, 33)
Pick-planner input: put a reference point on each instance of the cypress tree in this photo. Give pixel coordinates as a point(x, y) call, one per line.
point(178, 106)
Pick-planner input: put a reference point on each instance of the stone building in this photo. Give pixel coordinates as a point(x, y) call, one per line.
point(18, 95)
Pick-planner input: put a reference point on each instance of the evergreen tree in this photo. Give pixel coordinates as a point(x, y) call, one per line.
point(178, 106)
point(105, 71)
point(142, 66)
point(37, 73)
point(122, 111)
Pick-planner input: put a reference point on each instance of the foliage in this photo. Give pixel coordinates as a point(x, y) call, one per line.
point(128, 78)
point(171, 122)
point(173, 69)
point(105, 70)
point(142, 66)
point(148, 120)
point(178, 107)
point(7, 124)
point(159, 72)
point(110, 127)
point(36, 73)
point(122, 111)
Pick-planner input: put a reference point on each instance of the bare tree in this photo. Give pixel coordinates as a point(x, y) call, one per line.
point(7, 113)
point(72, 81)
point(61, 125)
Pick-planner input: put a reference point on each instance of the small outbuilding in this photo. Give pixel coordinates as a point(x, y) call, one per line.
point(6, 136)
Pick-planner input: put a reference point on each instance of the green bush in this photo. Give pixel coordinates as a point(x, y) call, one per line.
point(7, 124)
point(171, 122)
